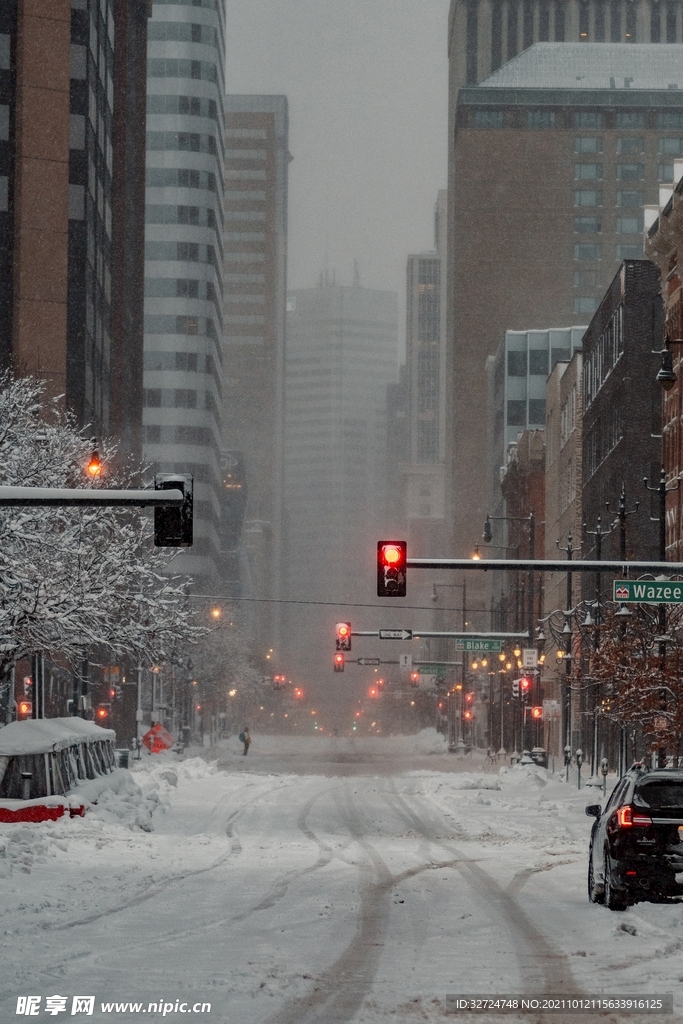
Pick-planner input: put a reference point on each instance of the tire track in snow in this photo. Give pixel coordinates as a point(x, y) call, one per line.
point(544, 968)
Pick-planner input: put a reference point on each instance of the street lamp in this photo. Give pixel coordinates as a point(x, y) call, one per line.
point(667, 375)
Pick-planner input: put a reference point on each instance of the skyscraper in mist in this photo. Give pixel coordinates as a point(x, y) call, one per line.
point(341, 355)
point(184, 266)
point(256, 172)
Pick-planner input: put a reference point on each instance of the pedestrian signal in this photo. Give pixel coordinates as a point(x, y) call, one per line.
point(392, 557)
point(24, 709)
point(343, 641)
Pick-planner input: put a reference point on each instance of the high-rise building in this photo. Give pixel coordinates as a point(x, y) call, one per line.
point(184, 259)
point(555, 156)
point(255, 262)
point(425, 499)
point(342, 352)
point(483, 34)
point(62, 84)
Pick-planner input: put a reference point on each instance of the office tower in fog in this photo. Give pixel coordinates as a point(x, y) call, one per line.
point(255, 264)
point(184, 260)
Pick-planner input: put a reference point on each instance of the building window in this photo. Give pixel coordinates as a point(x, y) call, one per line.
point(615, 21)
point(513, 16)
point(588, 144)
point(516, 364)
point(629, 146)
point(587, 119)
point(586, 172)
point(488, 118)
point(630, 199)
point(517, 413)
point(629, 225)
point(585, 304)
point(630, 172)
point(537, 412)
point(543, 21)
point(629, 252)
point(151, 398)
point(540, 119)
point(585, 279)
point(671, 22)
point(587, 197)
point(670, 147)
point(538, 362)
point(584, 12)
point(665, 173)
point(631, 120)
point(599, 10)
point(670, 120)
point(587, 225)
point(655, 23)
point(587, 251)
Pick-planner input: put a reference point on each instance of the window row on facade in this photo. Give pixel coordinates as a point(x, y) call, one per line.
point(593, 251)
point(603, 358)
point(622, 172)
point(626, 120)
point(631, 198)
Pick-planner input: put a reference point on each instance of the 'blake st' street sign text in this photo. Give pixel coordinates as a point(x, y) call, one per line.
point(480, 645)
point(395, 634)
point(648, 592)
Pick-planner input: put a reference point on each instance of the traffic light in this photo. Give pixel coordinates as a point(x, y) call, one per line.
point(468, 715)
point(279, 681)
point(339, 662)
point(373, 692)
point(469, 697)
point(173, 525)
point(24, 709)
point(414, 678)
point(298, 693)
point(102, 713)
point(343, 630)
point(392, 556)
point(515, 687)
point(525, 687)
point(537, 714)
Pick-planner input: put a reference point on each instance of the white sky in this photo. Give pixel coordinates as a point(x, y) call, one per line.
point(367, 88)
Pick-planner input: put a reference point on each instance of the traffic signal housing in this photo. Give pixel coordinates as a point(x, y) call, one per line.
point(525, 687)
point(515, 687)
point(392, 558)
point(537, 714)
point(173, 524)
point(24, 709)
point(102, 712)
point(414, 678)
point(343, 640)
point(339, 662)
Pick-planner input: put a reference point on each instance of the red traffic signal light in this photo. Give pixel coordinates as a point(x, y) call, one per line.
point(469, 697)
point(373, 692)
point(343, 631)
point(537, 713)
point(525, 687)
point(414, 678)
point(468, 715)
point(392, 557)
point(339, 662)
point(102, 712)
point(24, 709)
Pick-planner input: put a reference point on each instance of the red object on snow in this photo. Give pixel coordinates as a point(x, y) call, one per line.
point(158, 739)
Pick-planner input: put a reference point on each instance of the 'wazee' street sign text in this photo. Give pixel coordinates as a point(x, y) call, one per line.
point(648, 591)
point(479, 644)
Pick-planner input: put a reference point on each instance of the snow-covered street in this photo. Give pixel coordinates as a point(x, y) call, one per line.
point(320, 881)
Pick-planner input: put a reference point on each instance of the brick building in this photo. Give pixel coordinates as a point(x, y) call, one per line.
point(664, 245)
point(556, 155)
point(621, 412)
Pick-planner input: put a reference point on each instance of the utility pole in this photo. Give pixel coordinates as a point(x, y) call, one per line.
point(598, 533)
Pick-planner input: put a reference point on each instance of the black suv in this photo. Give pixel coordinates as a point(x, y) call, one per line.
point(636, 847)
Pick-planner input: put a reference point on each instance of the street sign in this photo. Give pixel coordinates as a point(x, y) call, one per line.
point(430, 670)
point(529, 657)
point(368, 661)
point(648, 592)
point(405, 662)
point(480, 645)
point(396, 634)
point(551, 710)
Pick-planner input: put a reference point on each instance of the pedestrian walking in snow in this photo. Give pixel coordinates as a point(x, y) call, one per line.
point(245, 738)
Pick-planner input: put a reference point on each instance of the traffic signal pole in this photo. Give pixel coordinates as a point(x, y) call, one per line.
point(60, 497)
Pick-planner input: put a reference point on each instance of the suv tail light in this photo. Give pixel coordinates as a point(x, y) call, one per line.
point(628, 816)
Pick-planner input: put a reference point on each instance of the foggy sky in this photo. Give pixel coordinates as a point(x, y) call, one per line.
point(367, 88)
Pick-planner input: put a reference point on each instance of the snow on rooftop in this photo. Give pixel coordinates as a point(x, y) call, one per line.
point(592, 66)
point(35, 736)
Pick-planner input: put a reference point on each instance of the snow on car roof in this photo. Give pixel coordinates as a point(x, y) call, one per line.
point(36, 736)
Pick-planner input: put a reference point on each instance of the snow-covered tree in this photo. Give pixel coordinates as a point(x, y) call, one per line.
point(73, 579)
point(223, 664)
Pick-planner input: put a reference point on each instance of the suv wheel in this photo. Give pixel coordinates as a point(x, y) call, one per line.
point(613, 899)
point(593, 894)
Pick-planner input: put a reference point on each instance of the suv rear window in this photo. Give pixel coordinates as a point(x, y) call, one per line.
point(659, 794)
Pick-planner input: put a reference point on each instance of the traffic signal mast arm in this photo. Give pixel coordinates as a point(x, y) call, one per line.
point(424, 634)
point(544, 565)
point(13, 497)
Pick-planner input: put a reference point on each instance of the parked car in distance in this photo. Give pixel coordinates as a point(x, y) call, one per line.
point(636, 844)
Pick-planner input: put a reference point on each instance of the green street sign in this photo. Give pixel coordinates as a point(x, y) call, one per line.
point(431, 670)
point(648, 592)
point(480, 644)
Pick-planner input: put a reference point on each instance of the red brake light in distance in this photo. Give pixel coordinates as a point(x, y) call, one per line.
point(628, 816)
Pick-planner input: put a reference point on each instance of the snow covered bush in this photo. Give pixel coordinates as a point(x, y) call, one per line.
point(74, 579)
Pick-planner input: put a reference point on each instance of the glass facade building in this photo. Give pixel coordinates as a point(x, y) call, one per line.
point(184, 258)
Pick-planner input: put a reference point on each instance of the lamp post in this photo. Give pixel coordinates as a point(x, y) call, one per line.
point(454, 705)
